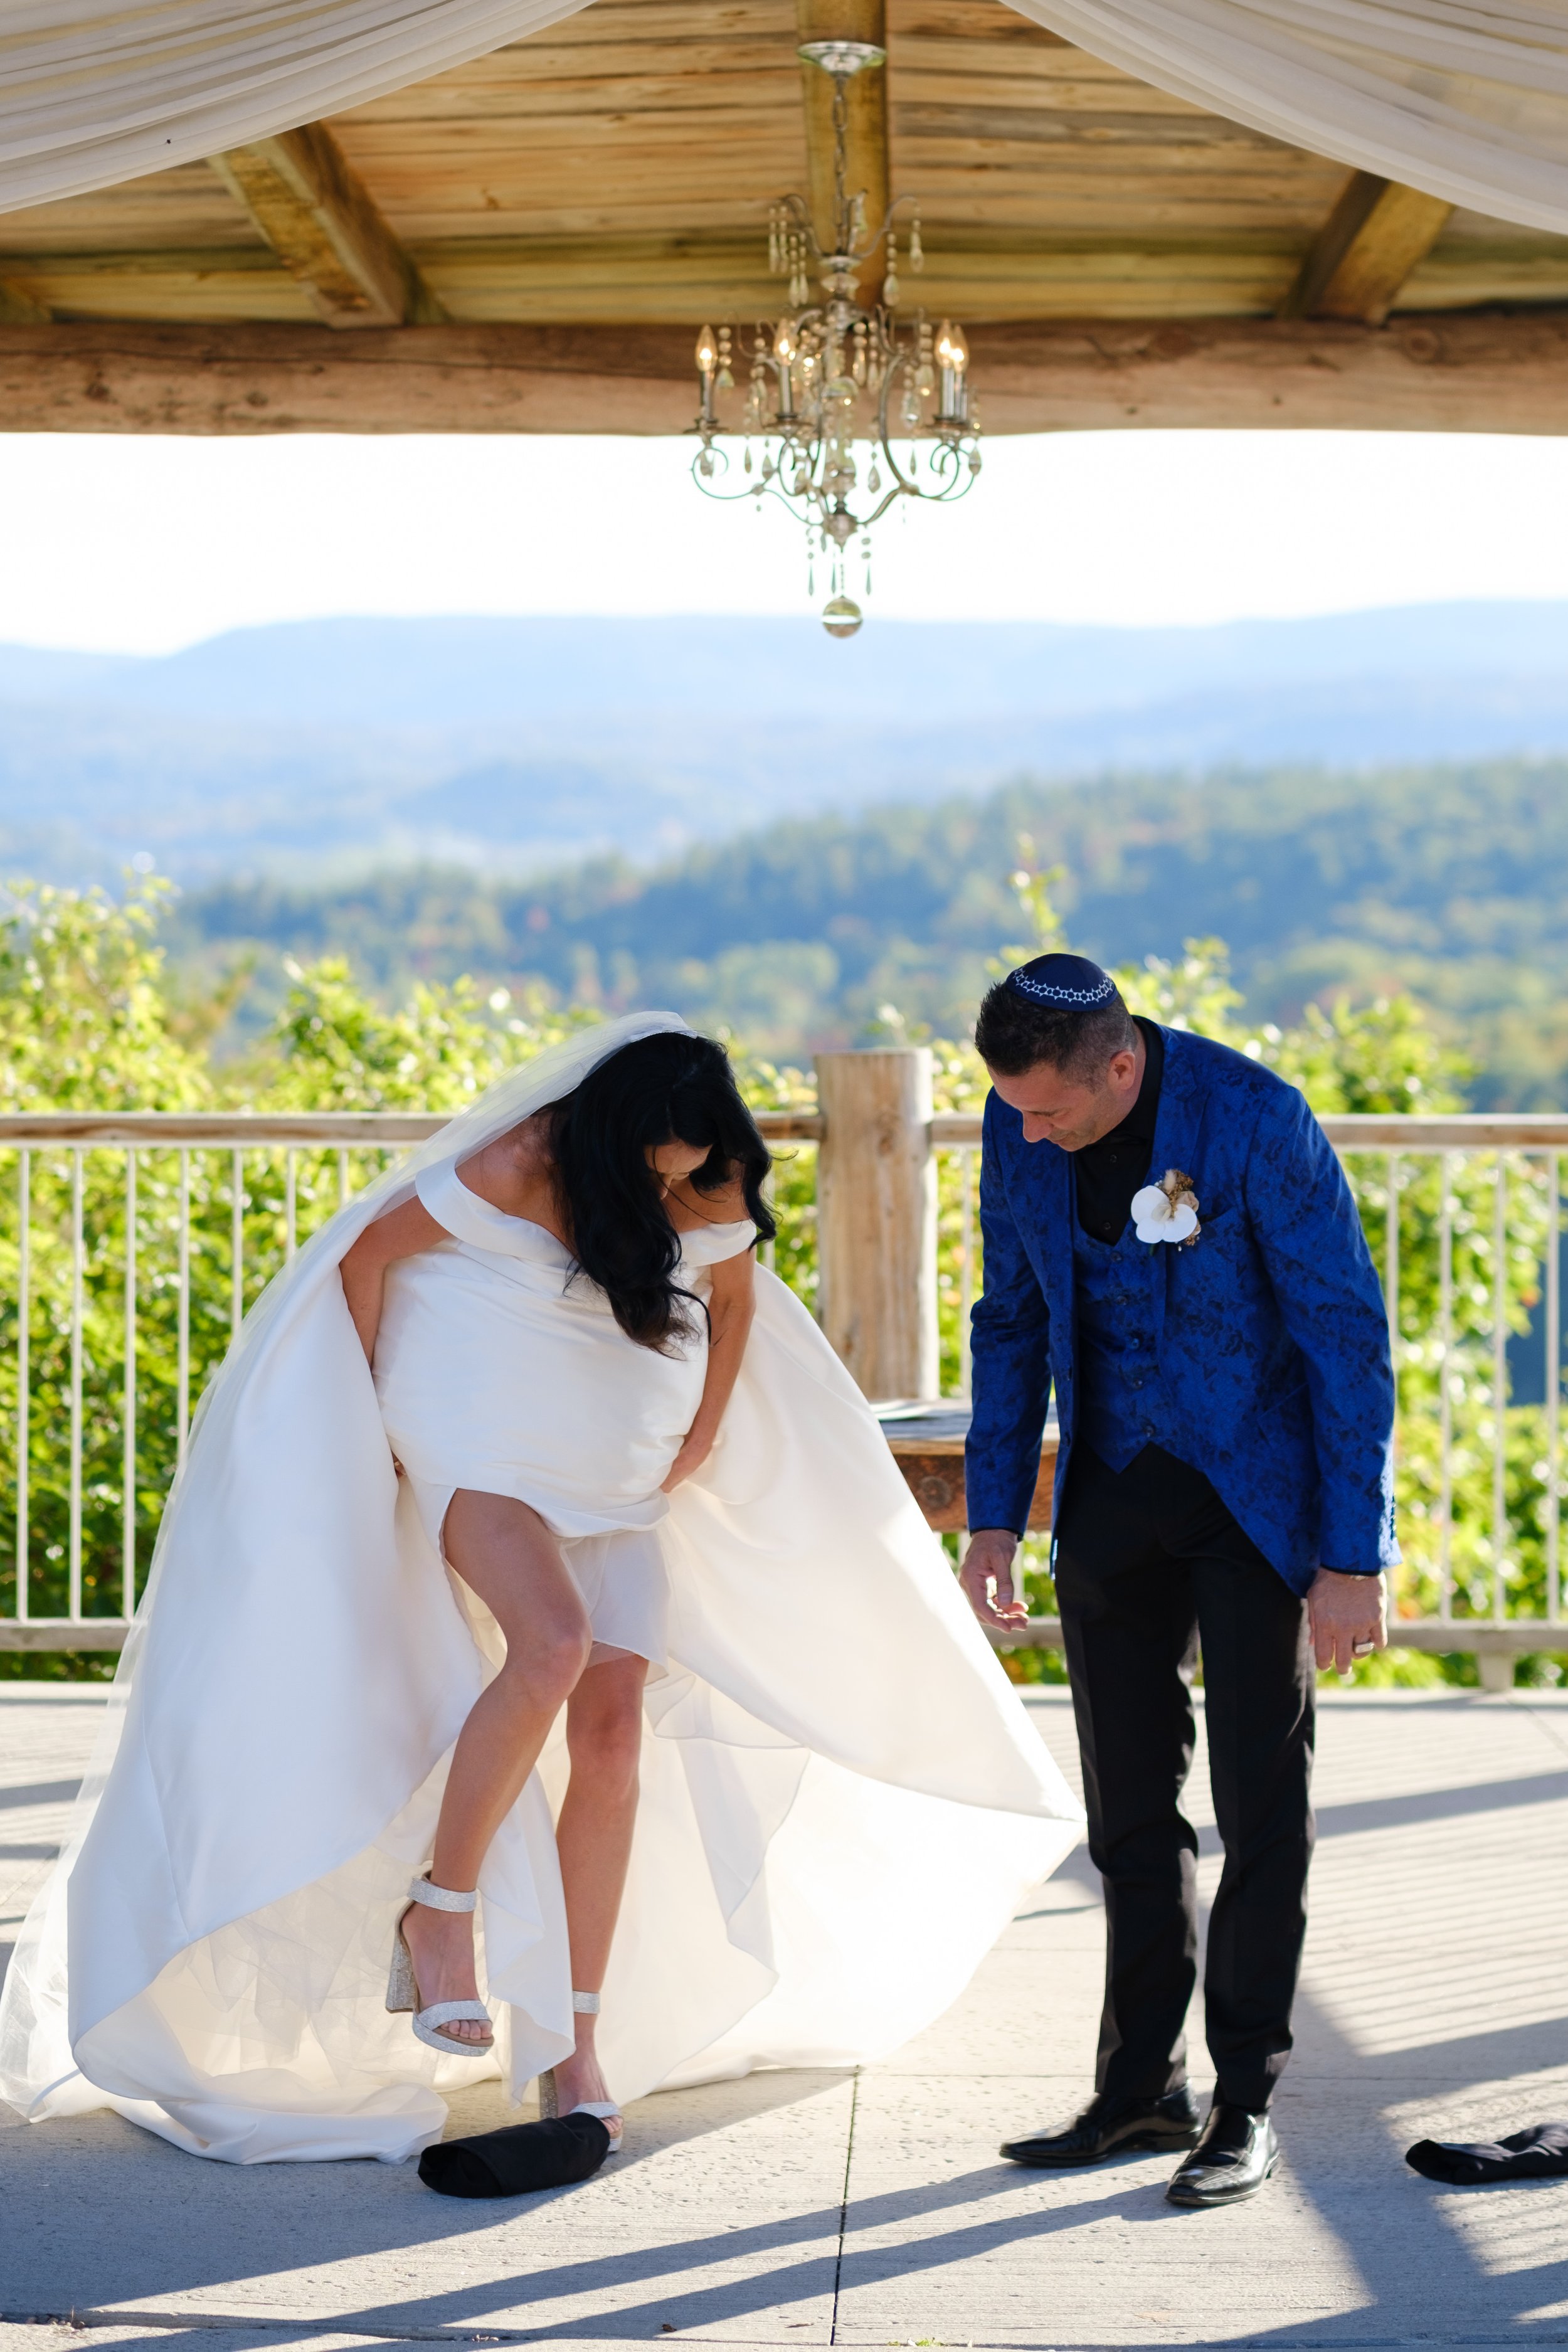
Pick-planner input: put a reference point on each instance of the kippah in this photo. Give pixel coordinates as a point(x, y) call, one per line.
point(1066, 980)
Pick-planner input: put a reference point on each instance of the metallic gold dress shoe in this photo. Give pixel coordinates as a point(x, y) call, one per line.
point(1112, 2127)
point(1235, 2153)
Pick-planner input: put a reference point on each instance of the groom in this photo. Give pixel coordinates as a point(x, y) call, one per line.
point(1170, 1243)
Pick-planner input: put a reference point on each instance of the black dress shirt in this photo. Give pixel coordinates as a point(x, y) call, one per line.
point(1109, 1172)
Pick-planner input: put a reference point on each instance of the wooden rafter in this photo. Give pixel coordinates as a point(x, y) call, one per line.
point(1453, 372)
point(865, 134)
point(20, 307)
point(1365, 250)
point(317, 216)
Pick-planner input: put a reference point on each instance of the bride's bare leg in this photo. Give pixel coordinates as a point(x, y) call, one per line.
point(604, 1735)
point(507, 1555)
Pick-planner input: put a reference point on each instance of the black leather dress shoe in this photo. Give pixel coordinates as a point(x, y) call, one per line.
point(1113, 2127)
point(1235, 2153)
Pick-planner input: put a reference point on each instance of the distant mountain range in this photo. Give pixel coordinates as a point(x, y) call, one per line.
point(315, 748)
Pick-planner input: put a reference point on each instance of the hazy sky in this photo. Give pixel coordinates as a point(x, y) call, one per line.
point(140, 545)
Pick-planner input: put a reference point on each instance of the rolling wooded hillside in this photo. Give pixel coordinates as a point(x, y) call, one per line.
point(1451, 881)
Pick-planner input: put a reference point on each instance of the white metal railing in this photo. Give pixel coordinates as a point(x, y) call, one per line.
point(131, 1243)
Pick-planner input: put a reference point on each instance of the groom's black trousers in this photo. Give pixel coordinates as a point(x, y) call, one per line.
point(1150, 1565)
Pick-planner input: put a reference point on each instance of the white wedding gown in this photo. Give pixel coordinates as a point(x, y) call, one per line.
point(843, 1801)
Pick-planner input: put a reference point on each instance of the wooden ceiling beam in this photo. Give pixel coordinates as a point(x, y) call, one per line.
point(866, 125)
point(1449, 373)
point(20, 307)
point(1366, 250)
point(322, 224)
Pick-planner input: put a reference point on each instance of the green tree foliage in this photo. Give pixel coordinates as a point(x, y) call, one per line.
point(86, 1021)
point(333, 1047)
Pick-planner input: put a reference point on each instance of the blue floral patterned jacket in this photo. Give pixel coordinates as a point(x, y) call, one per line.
point(1271, 1336)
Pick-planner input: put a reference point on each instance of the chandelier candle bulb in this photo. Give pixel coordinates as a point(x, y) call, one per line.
point(707, 360)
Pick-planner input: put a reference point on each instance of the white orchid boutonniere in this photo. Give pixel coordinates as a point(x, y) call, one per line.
point(1167, 1212)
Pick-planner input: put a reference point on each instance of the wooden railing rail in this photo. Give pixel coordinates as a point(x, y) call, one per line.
point(944, 1130)
point(1369, 1132)
point(266, 1131)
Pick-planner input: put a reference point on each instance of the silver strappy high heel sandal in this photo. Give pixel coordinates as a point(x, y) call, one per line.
point(585, 2004)
point(403, 1984)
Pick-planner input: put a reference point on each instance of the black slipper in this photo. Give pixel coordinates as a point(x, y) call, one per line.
point(1540, 2153)
point(509, 2163)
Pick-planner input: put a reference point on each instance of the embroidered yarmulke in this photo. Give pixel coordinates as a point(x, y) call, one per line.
point(1069, 980)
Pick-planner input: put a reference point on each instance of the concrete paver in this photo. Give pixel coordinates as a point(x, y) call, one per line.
point(46, 1731)
point(793, 2210)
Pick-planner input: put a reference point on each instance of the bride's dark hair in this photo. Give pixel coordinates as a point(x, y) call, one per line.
point(667, 1088)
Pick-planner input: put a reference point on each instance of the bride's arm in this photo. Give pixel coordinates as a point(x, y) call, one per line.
point(731, 1304)
point(402, 1232)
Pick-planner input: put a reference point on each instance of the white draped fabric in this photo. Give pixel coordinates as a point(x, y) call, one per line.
point(844, 1800)
point(1467, 99)
point(94, 91)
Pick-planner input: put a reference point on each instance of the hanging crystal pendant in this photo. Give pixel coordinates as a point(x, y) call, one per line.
point(890, 282)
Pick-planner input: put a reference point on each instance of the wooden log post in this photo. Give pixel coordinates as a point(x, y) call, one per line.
point(875, 1205)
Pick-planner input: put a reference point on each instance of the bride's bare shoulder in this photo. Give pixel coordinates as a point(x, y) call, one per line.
point(509, 1169)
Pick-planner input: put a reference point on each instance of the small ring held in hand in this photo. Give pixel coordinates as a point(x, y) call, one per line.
point(1362, 1649)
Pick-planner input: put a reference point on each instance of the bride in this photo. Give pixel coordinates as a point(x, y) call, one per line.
point(524, 1484)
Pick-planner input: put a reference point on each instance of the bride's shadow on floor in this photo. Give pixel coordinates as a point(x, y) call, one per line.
point(698, 2255)
point(271, 2228)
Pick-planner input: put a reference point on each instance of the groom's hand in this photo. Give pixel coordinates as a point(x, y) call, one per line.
point(986, 1576)
point(1347, 1612)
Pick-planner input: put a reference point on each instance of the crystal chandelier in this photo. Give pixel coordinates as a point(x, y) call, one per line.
point(832, 376)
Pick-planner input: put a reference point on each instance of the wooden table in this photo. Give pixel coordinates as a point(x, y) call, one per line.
point(927, 1440)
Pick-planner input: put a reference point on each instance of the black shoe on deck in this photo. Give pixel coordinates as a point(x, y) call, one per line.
point(1113, 2127)
point(1235, 2153)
